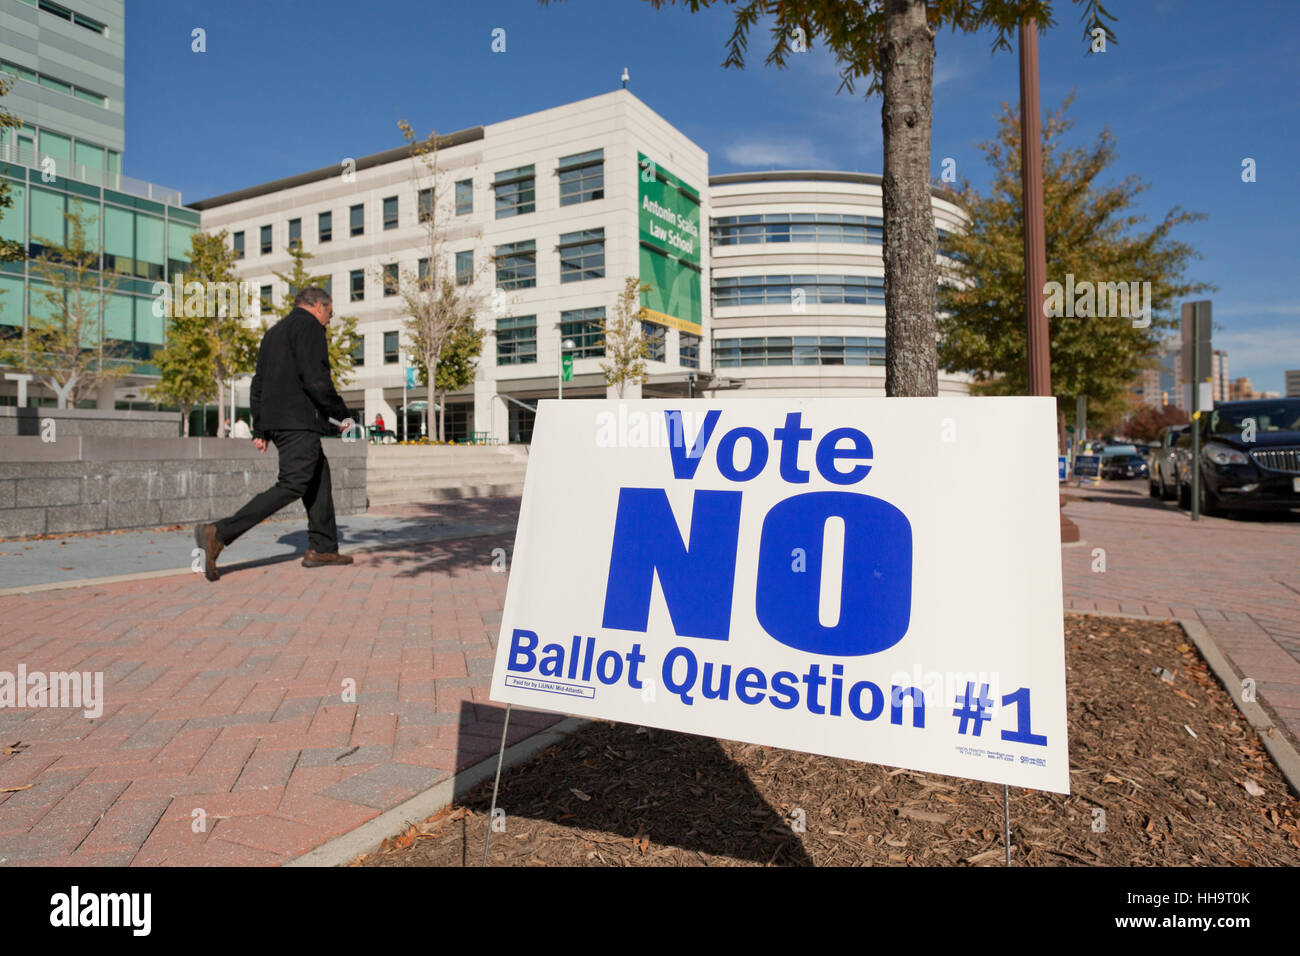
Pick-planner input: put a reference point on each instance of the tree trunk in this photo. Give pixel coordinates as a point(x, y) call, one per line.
point(442, 416)
point(907, 73)
point(430, 363)
point(221, 399)
point(185, 420)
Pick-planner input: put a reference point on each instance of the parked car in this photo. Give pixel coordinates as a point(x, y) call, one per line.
point(1163, 472)
point(1250, 457)
point(1123, 466)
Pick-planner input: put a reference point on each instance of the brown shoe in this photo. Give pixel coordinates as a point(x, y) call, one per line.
point(318, 559)
point(205, 536)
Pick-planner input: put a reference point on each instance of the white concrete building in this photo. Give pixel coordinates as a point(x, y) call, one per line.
point(769, 283)
point(798, 282)
point(551, 198)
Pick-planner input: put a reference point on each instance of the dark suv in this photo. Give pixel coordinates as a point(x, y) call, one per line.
point(1250, 457)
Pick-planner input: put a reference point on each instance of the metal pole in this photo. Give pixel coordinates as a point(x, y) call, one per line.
point(1037, 334)
point(1196, 405)
point(1031, 149)
point(1006, 820)
point(402, 356)
point(496, 785)
point(559, 372)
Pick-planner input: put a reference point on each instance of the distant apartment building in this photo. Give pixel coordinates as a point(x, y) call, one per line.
point(1241, 389)
point(1293, 383)
point(1219, 375)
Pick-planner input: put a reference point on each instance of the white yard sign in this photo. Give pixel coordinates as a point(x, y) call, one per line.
point(877, 579)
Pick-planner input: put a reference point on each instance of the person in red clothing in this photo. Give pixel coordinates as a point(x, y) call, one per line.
point(379, 422)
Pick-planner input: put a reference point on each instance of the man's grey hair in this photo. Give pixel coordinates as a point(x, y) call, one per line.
point(311, 296)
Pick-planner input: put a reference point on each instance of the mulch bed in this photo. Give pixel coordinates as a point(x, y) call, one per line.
point(619, 795)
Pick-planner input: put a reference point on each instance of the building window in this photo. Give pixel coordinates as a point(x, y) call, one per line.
point(359, 352)
point(422, 272)
point(54, 84)
point(517, 340)
point(689, 351)
point(583, 326)
point(798, 350)
point(237, 240)
point(295, 233)
point(357, 219)
point(325, 227)
point(582, 255)
point(790, 289)
point(64, 13)
point(357, 279)
point(656, 340)
point(391, 348)
point(515, 192)
point(267, 298)
point(266, 240)
point(426, 204)
point(464, 197)
point(516, 264)
point(797, 227)
point(390, 279)
point(99, 99)
point(582, 177)
point(465, 267)
point(390, 212)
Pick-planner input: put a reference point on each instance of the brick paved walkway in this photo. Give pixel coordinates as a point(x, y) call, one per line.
point(1239, 576)
point(229, 699)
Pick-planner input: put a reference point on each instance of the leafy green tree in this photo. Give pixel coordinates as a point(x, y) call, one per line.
point(185, 365)
point(62, 343)
point(232, 343)
point(341, 334)
point(456, 368)
point(437, 306)
point(1093, 235)
point(625, 350)
point(890, 43)
point(10, 251)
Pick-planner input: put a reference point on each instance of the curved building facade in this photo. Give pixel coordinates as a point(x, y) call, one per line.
point(797, 283)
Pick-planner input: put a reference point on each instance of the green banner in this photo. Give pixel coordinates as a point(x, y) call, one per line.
point(668, 220)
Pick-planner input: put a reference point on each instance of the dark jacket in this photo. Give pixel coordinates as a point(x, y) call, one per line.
point(292, 387)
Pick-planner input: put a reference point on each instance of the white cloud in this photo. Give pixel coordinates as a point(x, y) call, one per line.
point(775, 154)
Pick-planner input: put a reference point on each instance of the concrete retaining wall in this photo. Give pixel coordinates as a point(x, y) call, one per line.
point(97, 484)
point(88, 422)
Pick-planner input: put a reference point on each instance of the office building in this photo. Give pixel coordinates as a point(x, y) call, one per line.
point(66, 62)
point(762, 284)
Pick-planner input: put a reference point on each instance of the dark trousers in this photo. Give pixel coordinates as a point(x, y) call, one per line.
point(305, 474)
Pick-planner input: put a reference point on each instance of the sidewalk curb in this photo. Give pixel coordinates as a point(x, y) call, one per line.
point(345, 848)
point(274, 559)
point(1275, 742)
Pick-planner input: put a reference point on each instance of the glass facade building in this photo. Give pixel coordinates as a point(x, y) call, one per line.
point(65, 63)
point(138, 241)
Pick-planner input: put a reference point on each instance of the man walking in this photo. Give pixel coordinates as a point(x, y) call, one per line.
point(290, 398)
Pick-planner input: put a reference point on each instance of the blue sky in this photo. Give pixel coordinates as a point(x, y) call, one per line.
point(284, 87)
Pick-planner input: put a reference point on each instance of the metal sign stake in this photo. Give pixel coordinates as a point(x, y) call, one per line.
point(1006, 820)
point(496, 784)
